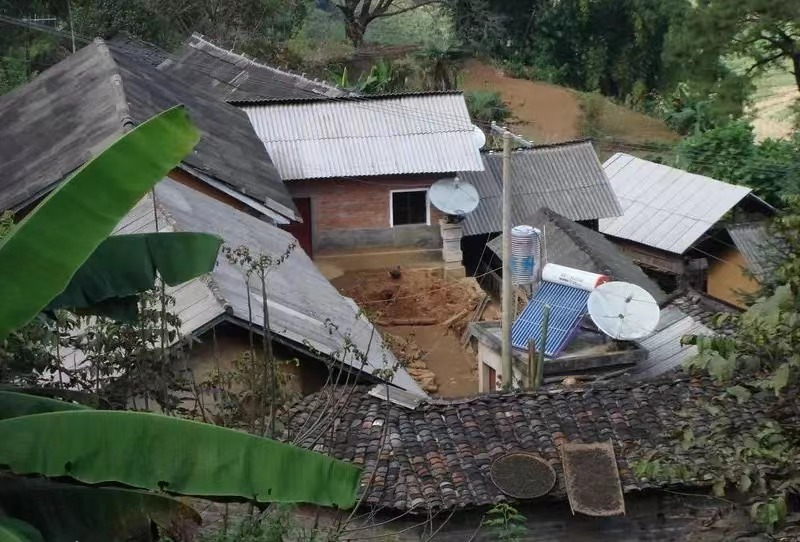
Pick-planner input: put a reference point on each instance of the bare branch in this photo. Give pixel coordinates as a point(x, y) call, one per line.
point(410, 8)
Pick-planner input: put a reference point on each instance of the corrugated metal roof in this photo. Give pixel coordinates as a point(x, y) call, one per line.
point(664, 349)
point(566, 178)
point(687, 313)
point(387, 135)
point(759, 250)
point(304, 307)
point(303, 304)
point(664, 207)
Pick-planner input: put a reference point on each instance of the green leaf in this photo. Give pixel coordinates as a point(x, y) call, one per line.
point(719, 487)
point(720, 368)
point(125, 265)
point(14, 530)
point(65, 513)
point(82, 397)
point(154, 452)
point(42, 253)
point(13, 405)
point(781, 378)
point(741, 393)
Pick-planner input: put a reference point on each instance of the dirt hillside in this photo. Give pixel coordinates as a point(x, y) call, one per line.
point(549, 113)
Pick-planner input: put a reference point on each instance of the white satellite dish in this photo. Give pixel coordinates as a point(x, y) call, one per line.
point(454, 196)
point(623, 310)
point(478, 137)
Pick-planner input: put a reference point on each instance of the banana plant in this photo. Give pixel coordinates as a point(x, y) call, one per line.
point(61, 255)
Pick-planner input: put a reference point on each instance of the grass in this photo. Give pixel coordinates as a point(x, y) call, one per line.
point(322, 36)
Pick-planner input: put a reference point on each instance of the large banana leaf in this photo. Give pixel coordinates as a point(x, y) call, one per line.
point(66, 513)
point(125, 265)
point(14, 530)
point(42, 253)
point(84, 398)
point(154, 452)
point(14, 405)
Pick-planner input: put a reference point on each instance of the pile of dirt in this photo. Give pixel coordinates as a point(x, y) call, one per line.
point(415, 297)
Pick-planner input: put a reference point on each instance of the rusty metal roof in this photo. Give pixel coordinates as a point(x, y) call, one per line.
point(368, 136)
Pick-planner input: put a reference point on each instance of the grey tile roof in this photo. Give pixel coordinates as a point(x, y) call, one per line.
point(761, 250)
point(564, 177)
point(369, 136)
point(52, 125)
point(685, 313)
point(664, 207)
point(438, 456)
point(139, 49)
point(231, 76)
point(303, 306)
point(574, 245)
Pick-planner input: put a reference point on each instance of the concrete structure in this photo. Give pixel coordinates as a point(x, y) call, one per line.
point(589, 354)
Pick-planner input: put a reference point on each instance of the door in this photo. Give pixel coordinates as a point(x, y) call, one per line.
point(302, 231)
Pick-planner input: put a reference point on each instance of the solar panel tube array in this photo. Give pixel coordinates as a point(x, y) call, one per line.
point(567, 308)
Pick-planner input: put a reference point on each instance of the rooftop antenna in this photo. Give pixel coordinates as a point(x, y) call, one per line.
point(623, 311)
point(454, 196)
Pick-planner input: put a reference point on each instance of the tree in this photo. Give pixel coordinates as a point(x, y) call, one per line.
point(358, 14)
point(759, 360)
point(730, 153)
point(764, 32)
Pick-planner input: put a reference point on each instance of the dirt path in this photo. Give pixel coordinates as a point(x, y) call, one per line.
point(454, 367)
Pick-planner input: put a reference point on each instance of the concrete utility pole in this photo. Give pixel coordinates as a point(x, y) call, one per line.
point(507, 297)
point(507, 291)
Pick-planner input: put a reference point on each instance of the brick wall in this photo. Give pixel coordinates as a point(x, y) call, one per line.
point(349, 213)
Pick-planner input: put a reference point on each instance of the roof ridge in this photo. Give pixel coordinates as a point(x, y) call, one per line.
point(349, 98)
point(581, 387)
point(117, 86)
point(253, 61)
point(573, 230)
point(565, 143)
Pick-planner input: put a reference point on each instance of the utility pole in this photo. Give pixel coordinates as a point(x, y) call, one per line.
point(507, 290)
point(507, 298)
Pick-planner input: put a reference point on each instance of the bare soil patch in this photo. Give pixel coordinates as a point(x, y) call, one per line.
point(432, 314)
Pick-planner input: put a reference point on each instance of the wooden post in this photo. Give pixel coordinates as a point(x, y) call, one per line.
point(540, 365)
point(533, 369)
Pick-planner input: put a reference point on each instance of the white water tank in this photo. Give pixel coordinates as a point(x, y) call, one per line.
point(576, 278)
point(525, 254)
